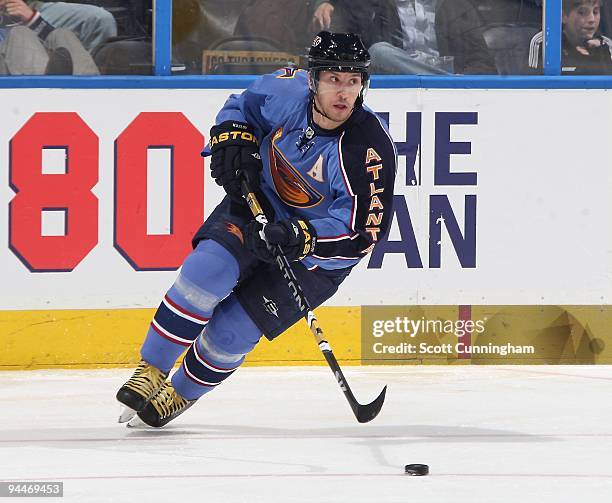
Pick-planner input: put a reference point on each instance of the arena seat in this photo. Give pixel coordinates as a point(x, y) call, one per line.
point(509, 45)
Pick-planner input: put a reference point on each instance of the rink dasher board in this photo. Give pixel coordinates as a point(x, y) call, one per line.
point(530, 202)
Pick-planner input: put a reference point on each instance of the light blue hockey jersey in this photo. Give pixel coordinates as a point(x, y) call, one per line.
point(341, 180)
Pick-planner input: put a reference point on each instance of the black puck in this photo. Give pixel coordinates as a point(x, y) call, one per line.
point(416, 470)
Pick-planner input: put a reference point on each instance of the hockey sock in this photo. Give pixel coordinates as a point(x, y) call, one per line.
point(208, 275)
point(218, 352)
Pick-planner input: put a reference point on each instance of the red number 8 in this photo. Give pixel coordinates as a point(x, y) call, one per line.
point(70, 192)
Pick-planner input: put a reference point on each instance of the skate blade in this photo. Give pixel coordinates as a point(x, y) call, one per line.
point(136, 422)
point(126, 414)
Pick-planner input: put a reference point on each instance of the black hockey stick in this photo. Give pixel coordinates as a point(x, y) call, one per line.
point(363, 413)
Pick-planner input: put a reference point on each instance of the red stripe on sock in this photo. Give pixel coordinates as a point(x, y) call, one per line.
point(168, 338)
point(215, 367)
point(195, 379)
point(183, 310)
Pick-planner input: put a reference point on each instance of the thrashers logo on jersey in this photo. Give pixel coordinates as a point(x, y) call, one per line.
point(290, 185)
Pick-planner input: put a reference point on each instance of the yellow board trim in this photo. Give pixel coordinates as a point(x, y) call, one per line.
point(112, 338)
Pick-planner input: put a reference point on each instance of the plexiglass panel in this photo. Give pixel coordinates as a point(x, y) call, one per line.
point(85, 37)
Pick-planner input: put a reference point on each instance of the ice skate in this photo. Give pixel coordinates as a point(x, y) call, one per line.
point(125, 414)
point(134, 395)
point(137, 423)
point(162, 408)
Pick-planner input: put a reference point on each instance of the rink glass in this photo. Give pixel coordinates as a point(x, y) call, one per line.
point(115, 37)
point(237, 37)
point(195, 37)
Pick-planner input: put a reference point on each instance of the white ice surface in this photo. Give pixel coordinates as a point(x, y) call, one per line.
point(489, 434)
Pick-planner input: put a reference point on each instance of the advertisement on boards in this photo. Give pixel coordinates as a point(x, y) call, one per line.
point(498, 237)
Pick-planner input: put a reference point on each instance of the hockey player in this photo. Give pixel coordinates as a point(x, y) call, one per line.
point(324, 167)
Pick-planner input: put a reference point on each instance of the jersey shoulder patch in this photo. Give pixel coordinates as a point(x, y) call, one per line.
point(287, 83)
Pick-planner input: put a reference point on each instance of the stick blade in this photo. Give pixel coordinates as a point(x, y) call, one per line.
point(365, 413)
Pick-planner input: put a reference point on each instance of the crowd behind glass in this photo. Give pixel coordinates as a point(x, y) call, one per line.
point(431, 37)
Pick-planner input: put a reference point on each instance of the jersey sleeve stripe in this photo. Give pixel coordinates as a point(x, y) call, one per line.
point(342, 170)
point(337, 257)
point(347, 183)
point(337, 238)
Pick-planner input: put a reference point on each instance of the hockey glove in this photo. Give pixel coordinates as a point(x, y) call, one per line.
point(297, 238)
point(235, 154)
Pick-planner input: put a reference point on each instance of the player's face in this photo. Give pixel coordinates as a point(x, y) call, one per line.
point(582, 22)
point(336, 96)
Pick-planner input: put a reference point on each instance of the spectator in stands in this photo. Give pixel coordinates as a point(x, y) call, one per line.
point(509, 11)
point(405, 36)
point(459, 34)
point(90, 23)
point(286, 22)
point(30, 45)
point(606, 18)
point(584, 50)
